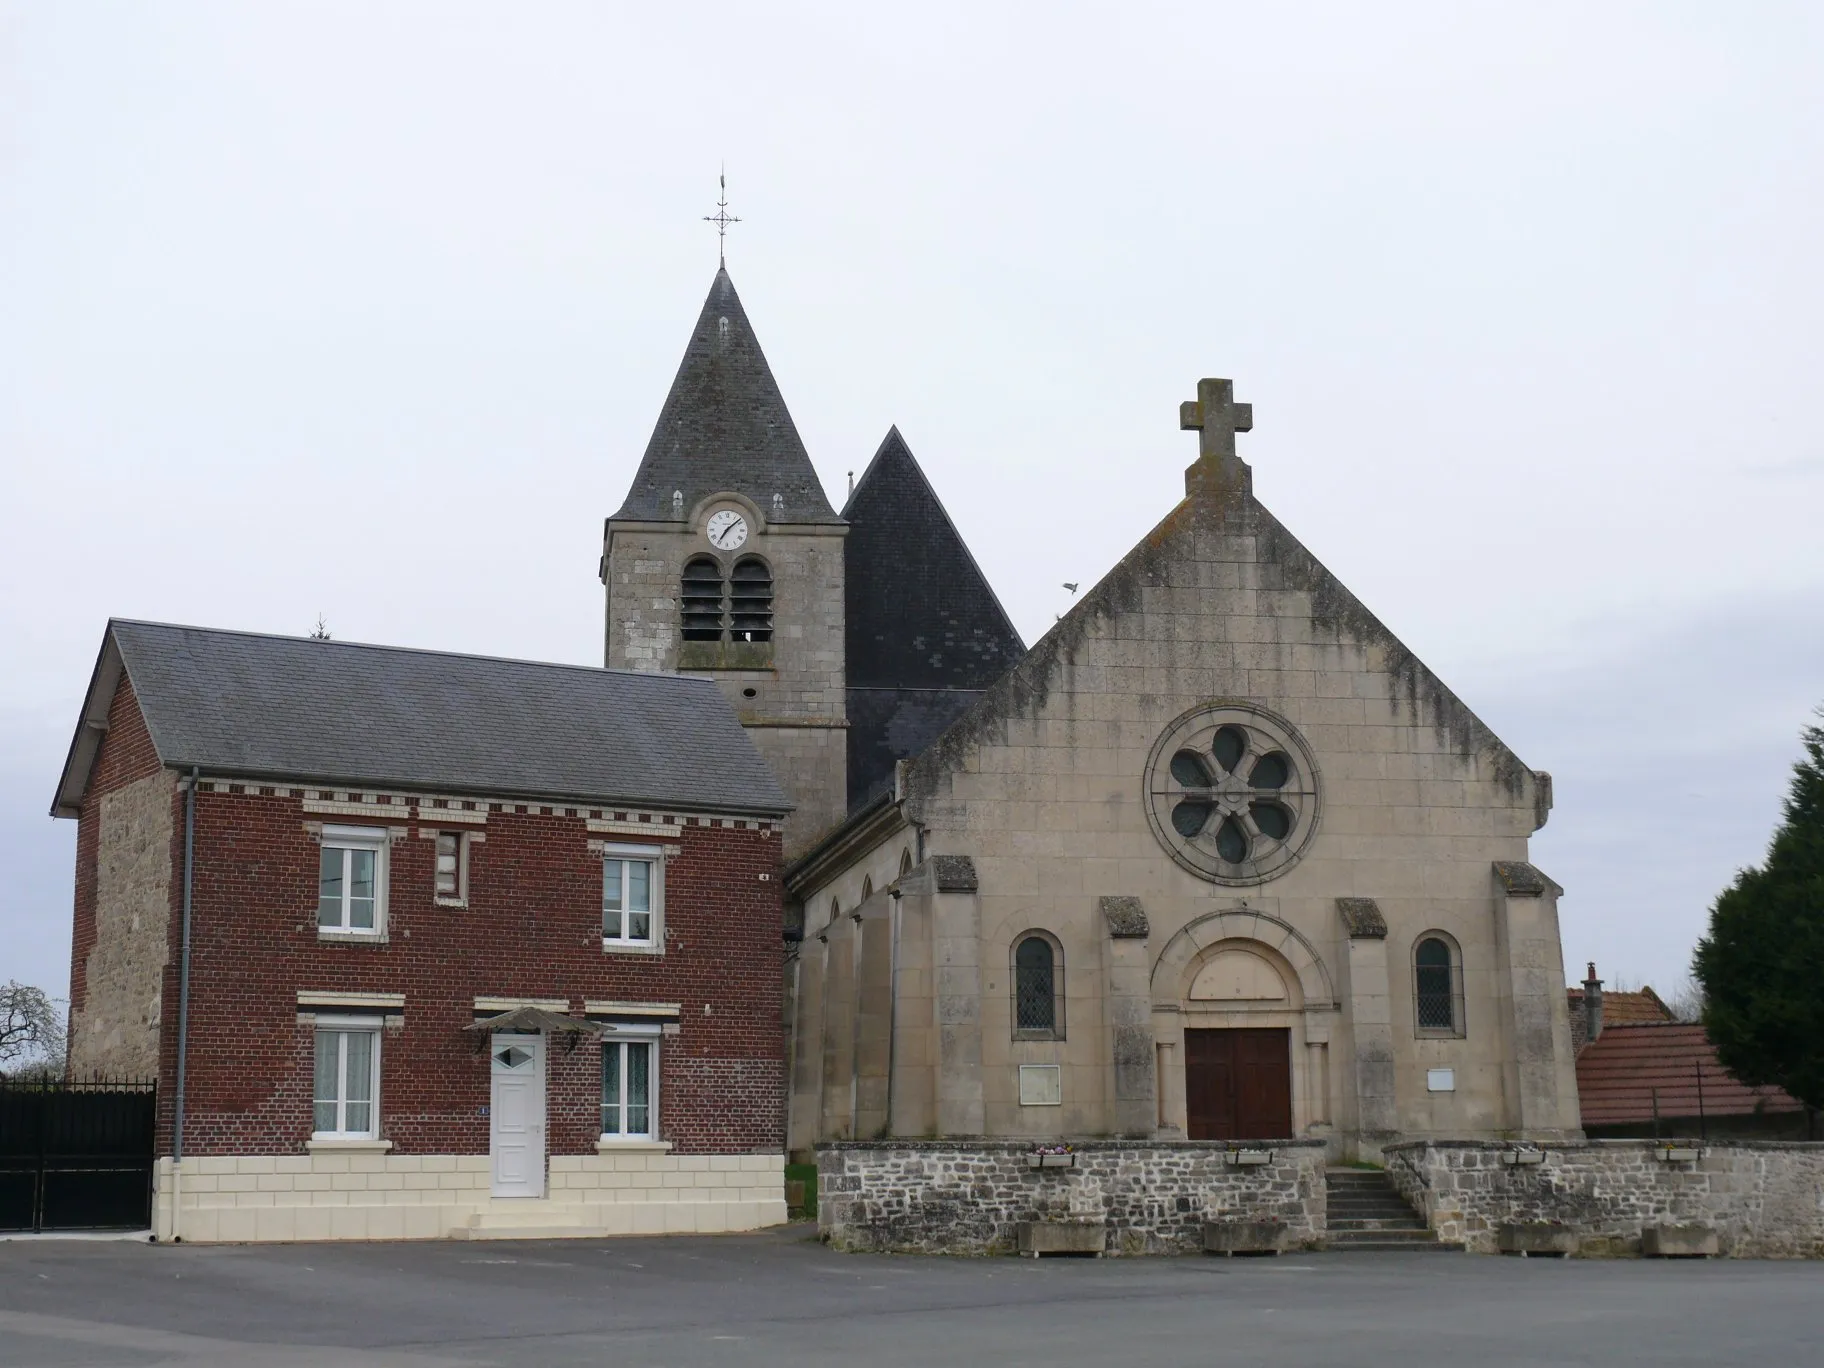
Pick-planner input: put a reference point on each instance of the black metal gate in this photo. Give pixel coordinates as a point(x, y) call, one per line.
point(76, 1156)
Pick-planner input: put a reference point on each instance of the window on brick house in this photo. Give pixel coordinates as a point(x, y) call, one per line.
point(347, 1088)
point(451, 877)
point(633, 896)
point(630, 1089)
point(351, 881)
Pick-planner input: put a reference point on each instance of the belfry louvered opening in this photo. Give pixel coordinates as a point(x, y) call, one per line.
point(751, 601)
point(703, 600)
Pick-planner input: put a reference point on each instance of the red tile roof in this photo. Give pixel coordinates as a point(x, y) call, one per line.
point(1618, 1073)
point(1624, 1009)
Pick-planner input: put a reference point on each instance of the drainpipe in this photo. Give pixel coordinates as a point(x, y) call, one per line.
point(183, 1004)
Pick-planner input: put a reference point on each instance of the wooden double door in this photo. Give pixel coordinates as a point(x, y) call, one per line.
point(1238, 1084)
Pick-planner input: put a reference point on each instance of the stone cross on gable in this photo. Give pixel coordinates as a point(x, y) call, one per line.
point(1215, 414)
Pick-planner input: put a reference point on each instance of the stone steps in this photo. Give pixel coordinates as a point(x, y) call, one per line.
point(1367, 1213)
point(1374, 1223)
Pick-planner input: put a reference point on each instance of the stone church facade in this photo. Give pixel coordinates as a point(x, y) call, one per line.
point(1217, 859)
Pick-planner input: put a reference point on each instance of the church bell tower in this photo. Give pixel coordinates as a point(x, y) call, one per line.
point(726, 560)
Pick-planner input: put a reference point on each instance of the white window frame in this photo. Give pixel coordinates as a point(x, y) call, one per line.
point(347, 839)
point(654, 942)
point(624, 1036)
point(343, 1027)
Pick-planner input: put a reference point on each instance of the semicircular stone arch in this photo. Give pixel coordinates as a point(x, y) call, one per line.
point(1241, 924)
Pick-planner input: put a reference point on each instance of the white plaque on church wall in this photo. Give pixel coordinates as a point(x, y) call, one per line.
point(1440, 1080)
point(1041, 1085)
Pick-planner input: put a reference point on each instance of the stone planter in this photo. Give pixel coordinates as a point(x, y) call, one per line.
point(1518, 1157)
point(1250, 1158)
point(1679, 1154)
point(1061, 1237)
point(1051, 1161)
point(1244, 1237)
point(1536, 1240)
point(1678, 1242)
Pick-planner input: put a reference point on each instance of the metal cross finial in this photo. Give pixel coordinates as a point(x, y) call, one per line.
point(722, 218)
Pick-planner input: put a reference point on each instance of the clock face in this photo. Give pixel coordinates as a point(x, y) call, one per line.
point(727, 530)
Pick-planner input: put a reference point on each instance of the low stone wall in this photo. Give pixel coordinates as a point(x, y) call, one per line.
point(969, 1197)
point(1763, 1199)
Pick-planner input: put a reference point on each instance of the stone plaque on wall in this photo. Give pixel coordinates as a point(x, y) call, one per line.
point(1041, 1085)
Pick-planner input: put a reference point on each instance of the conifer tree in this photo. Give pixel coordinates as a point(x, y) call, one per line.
point(1762, 965)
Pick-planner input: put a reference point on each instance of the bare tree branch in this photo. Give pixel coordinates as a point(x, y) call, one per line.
point(31, 1027)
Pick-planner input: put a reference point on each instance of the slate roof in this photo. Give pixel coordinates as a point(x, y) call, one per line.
point(1618, 1073)
point(293, 708)
point(890, 725)
point(925, 633)
point(725, 426)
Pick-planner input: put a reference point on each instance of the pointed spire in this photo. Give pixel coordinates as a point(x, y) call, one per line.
point(920, 611)
point(725, 426)
point(924, 632)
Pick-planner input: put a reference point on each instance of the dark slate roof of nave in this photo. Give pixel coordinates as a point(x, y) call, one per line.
point(889, 725)
point(924, 630)
point(239, 703)
point(725, 426)
point(920, 613)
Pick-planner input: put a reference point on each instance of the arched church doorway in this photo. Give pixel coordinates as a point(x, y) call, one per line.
point(1238, 1083)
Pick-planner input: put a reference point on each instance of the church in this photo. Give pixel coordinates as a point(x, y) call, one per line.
point(1217, 859)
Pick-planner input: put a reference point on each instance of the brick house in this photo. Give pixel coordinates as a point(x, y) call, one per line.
point(422, 945)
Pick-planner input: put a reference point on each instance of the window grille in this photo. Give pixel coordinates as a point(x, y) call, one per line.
point(703, 600)
point(751, 601)
point(1435, 979)
point(1035, 1003)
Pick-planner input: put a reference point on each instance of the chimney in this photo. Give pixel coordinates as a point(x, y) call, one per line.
point(1592, 1005)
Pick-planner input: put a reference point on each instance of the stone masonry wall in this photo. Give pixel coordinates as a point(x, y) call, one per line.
point(967, 1197)
point(1763, 1199)
point(793, 701)
point(127, 845)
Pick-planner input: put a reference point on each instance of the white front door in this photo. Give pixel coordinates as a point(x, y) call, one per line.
point(516, 1111)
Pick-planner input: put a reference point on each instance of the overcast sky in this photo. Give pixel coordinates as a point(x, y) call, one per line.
point(367, 310)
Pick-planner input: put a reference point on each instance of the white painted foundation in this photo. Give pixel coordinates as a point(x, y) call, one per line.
point(367, 1196)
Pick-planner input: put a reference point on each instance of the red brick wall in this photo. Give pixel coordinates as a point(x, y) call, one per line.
point(532, 928)
point(126, 756)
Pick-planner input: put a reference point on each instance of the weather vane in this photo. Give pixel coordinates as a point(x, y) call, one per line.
point(722, 218)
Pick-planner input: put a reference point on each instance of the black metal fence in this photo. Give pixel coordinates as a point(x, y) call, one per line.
point(76, 1155)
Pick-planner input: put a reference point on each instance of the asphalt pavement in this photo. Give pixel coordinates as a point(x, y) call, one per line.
point(780, 1298)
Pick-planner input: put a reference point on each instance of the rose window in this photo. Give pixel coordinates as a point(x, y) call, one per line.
point(1232, 793)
